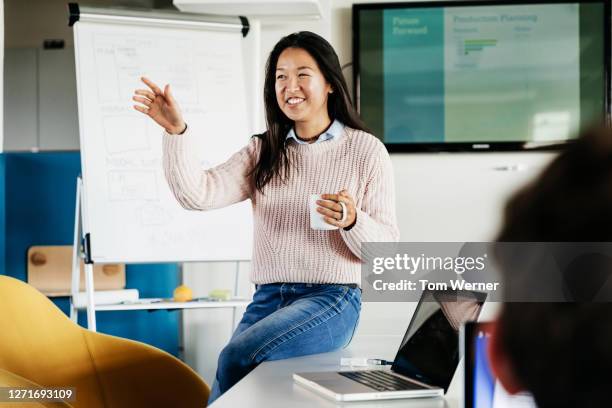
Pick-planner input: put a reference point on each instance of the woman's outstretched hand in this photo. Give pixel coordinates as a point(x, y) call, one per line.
point(160, 106)
point(333, 210)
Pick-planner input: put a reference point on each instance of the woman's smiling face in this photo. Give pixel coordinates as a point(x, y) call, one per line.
point(301, 88)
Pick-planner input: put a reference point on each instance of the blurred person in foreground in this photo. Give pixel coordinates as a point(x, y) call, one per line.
point(561, 352)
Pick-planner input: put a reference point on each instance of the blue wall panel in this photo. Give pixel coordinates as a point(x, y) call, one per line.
point(39, 197)
point(2, 216)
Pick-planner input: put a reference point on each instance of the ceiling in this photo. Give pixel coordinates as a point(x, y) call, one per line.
point(27, 23)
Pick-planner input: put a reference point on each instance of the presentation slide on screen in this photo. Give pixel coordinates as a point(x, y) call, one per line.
point(488, 391)
point(486, 73)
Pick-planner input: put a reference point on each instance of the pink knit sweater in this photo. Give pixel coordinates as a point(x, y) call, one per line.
point(285, 248)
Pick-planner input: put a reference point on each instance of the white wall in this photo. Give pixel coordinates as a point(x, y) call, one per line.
point(440, 197)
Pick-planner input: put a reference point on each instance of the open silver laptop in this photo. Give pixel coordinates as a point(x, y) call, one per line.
point(425, 362)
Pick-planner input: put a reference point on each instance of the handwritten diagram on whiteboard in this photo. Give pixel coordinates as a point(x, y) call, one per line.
point(129, 209)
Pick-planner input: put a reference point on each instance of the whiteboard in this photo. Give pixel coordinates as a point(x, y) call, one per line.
point(128, 208)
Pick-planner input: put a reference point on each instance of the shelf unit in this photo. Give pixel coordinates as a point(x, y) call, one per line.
point(169, 305)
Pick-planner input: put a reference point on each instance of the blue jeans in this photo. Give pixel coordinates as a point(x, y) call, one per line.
point(287, 320)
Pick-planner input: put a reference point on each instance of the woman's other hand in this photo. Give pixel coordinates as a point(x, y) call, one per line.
point(160, 106)
point(333, 210)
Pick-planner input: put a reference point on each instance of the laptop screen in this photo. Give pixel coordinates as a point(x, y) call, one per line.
point(429, 351)
point(482, 389)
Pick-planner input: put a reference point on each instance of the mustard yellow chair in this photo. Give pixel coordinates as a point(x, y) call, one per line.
point(41, 344)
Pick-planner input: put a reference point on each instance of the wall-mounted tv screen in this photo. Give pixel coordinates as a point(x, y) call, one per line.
point(481, 75)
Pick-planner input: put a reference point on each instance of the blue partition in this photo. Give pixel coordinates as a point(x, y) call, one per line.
point(2, 216)
point(38, 192)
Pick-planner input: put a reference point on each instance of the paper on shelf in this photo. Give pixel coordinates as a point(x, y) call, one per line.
point(107, 297)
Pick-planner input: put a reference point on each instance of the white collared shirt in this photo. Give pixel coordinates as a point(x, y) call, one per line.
point(335, 130)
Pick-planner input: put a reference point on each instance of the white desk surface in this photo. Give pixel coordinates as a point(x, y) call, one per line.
point(271, 384)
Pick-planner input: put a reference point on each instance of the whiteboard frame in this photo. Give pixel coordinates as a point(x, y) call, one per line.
point(169, 19)
point(156, 18)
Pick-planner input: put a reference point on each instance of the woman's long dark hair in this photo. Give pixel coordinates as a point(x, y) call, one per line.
point(273, 160)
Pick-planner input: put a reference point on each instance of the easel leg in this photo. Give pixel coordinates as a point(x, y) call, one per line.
point(78, 248)
point(91, 306)
point(76, 251)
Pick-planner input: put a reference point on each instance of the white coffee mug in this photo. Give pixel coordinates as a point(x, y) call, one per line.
point(317, 220)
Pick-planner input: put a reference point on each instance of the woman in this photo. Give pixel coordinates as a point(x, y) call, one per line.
point(308, 298)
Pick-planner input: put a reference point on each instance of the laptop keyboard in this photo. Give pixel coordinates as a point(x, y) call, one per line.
point(380, 380)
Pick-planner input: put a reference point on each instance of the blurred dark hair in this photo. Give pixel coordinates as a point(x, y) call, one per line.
point(571, 201)
point(561, 352)
point(273, 160)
